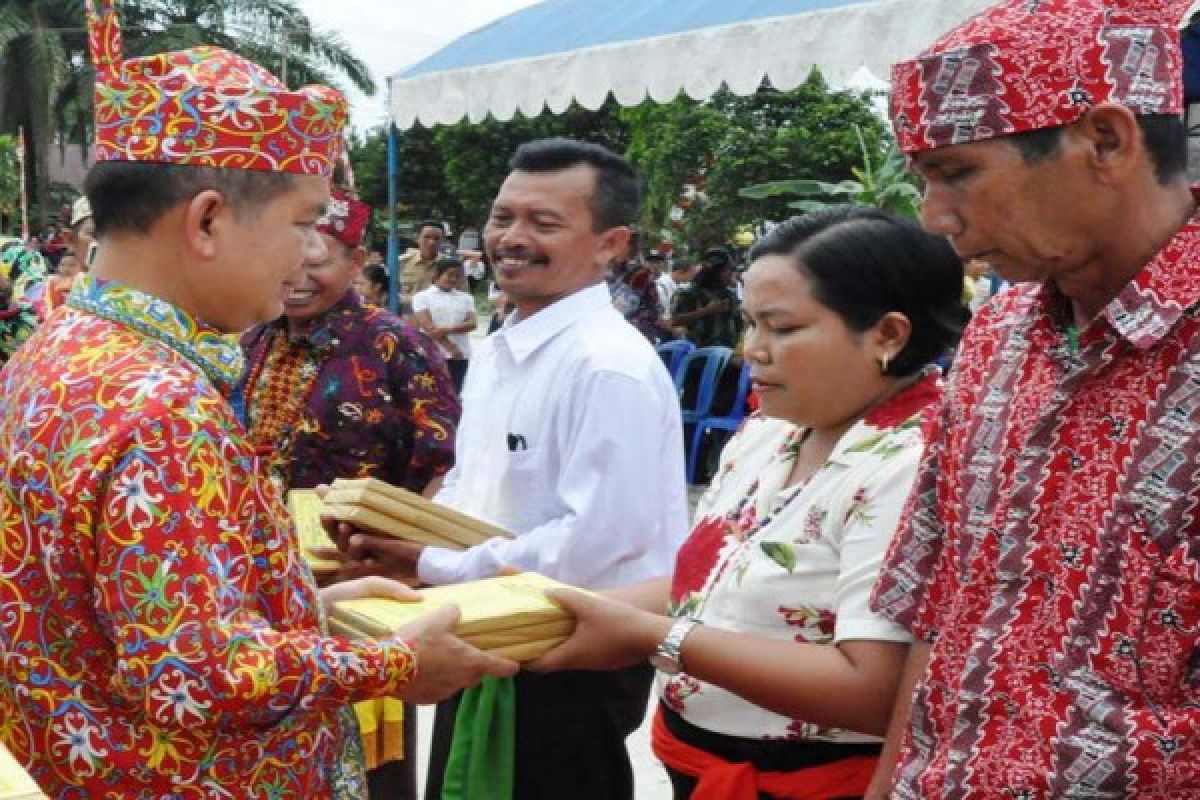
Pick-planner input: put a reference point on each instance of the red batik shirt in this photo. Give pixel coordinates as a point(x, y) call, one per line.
point(1051, 555)
point(160, 636)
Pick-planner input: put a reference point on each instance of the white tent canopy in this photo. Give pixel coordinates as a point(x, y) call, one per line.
point(852, 41)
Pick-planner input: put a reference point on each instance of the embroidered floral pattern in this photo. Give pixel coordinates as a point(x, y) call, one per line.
point(160, 637)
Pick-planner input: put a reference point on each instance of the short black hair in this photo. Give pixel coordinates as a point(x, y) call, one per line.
point(431, 223)
point(130, 196)
point(377, 275)
point(616, 197)
point(1166, 143)
point(864, 263)
point(444, 265)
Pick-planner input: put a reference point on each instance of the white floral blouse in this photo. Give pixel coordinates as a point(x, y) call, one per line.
point(795, 562)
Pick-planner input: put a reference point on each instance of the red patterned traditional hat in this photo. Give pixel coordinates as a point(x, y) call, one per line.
point(1024, 65)
point(346, 219)
point(207, 107)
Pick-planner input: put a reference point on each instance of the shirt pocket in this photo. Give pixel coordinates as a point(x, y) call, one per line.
point(525, 488)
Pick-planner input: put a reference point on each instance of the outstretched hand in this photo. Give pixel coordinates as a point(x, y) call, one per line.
point(608, 634)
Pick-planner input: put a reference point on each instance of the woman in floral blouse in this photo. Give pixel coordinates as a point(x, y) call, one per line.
point(775, 676)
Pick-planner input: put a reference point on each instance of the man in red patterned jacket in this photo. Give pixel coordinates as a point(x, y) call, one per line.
point(1051, 566)
point(160, 636)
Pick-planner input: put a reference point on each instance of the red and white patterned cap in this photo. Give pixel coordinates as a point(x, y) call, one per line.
point(346, 218)
point(1023, 65)
point(207, 107)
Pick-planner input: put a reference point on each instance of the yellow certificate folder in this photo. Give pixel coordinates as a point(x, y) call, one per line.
point(509, 615)
point(305, 507)
point(15, 783)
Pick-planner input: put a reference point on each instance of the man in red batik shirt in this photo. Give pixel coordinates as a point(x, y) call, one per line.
point(1051, 565)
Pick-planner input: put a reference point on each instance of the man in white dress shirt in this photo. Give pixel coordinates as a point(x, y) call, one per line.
point(571, 438)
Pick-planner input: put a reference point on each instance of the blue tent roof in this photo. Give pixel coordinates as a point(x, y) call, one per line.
point(559, 26)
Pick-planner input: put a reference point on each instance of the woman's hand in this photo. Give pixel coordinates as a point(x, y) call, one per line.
point(608, 634)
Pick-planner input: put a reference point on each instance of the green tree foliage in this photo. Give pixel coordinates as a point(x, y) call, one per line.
point(882, 180)
point(453, 172)
point(718, 146)
point(37, 57)
point(46, 75)
point(275, 34)
point(10, 184)
point(476, 156)
point(730, 142)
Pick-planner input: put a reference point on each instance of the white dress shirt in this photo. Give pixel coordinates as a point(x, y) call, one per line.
point(571, 438)
point(447, 309)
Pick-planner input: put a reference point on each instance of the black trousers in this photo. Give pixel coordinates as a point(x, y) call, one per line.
point(458, 371)
point(570, 735)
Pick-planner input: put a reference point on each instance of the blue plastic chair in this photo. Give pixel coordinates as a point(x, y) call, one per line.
point(730, 422)
point(673, 353)
point(713, 360)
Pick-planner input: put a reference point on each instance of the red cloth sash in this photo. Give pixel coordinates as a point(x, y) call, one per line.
point(722, 780)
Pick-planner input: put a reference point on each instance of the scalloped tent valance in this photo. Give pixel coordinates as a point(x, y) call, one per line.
point(559, 51)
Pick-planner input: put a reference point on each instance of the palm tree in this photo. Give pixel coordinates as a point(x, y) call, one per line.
point(36, 55)
point(46, 75)
point(273, 33)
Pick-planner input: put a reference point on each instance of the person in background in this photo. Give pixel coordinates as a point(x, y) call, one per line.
point(58, 285)
point(983, 283)
point(475, 268)
point(847, 308)
point(708, 310)
point(502, 307)
point(681, 272)
point(18, 321)
point(416, 267)
point(635, 295)
point(447, 315)
point(82, 231)
point(338, 389)
point(373, 284)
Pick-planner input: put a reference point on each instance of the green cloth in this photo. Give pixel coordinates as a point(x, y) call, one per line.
point(480, 764)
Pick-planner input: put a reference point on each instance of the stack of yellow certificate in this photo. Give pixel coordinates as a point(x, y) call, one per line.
point(381, 508)
point(509, 616)
point(15, 783)
point(306, 507)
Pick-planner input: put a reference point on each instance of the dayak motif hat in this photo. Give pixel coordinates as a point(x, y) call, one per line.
point(1024, 65)
point(207, 107)
point(346, 218)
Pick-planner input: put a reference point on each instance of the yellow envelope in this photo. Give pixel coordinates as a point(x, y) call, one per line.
point(305, 507)
point(508, 601)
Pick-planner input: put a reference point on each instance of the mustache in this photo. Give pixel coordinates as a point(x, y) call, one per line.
point(520, 253)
